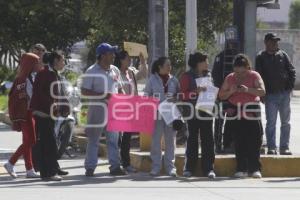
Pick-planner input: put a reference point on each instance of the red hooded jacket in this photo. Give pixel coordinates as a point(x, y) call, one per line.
point(18, 98)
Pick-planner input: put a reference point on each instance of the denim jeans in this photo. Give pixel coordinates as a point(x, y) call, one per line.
point(274, 103)
point(162, 129)
point(112, 139)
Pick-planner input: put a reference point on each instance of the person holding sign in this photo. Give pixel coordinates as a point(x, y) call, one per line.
point(243, 89)
point(163, 85)
point(129, 77)
point(199, 120)
point(100, 81)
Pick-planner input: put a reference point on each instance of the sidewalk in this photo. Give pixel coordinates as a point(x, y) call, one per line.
point(141, 186)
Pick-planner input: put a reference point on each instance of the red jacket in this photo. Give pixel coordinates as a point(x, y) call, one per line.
point(18, 101)
point(42, 100)
point(18, 98)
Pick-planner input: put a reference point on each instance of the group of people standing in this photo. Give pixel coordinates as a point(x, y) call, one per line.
point(271, 82)
point(31, 109)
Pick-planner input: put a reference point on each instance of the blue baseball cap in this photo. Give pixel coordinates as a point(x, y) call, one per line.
point(105, 48)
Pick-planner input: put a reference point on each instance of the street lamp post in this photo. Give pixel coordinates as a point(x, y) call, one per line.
point(191, 28)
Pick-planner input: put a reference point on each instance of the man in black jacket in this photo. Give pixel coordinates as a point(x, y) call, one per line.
point(279, 76)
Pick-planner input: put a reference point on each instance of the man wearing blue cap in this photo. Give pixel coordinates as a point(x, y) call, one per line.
point(100, 81)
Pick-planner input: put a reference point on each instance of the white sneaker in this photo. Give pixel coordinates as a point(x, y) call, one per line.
point(32, 174)
point(10, 170)
point(187, 174)
point(173, 173)
point(256, 174)
point(241, 175)
point(211, 174)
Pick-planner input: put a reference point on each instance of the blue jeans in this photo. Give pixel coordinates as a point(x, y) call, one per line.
point(112, 139)
point(278, 102)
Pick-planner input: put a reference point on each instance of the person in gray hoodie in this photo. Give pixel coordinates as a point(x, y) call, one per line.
point(163, 85)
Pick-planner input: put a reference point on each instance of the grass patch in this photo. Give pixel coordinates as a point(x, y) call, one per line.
point(83, 115)
point(3, 102)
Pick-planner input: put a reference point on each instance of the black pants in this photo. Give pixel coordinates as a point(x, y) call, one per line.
point(228, 137)
point(48, 149)
point(247, 136)
point(125, 139)
point(207, 145)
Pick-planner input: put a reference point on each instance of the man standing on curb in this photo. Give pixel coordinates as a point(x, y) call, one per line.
point(279, 76)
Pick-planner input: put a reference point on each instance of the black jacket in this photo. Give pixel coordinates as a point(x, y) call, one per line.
point(276, 70)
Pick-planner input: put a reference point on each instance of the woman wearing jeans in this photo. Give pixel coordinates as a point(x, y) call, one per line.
point(243, 89)
point(163, 85)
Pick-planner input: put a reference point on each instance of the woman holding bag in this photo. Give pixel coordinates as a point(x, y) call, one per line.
point(163, 85)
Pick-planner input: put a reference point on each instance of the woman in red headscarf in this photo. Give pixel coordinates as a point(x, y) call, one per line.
point(20, 114)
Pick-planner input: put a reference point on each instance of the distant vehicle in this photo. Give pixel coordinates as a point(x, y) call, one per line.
point(64, 126)
point(5, 86)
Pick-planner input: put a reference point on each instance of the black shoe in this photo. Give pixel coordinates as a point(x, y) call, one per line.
point(89, 173)
point(118, 172)
point(272, 152)
point(62, 173)
point(285, 152)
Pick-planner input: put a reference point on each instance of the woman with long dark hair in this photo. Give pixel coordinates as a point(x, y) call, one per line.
point(129, 77)
point(243, 89)
point(43, 104)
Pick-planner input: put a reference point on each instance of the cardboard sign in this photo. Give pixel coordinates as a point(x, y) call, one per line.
point(134, 49)
point(132, 113)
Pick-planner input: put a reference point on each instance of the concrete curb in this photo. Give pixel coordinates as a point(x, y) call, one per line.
point(82, 142)
point(272, 166)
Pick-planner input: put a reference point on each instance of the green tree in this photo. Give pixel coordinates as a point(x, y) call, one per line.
point(294, 15)
point(56, 23)
point(127, 20)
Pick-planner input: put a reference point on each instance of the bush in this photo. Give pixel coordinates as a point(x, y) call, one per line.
point(7, 74)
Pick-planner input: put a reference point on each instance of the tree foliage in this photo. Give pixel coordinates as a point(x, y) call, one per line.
point(294, 15)
point(60, 23)
point(127, 20)
point(55, 23)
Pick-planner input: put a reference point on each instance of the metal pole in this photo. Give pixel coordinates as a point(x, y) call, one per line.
point(158, 44)
point(250, 29)
point(191, 28)
point(158, 29)
point(239, 20)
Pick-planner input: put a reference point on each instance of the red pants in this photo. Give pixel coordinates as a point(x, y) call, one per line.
point(29, 139)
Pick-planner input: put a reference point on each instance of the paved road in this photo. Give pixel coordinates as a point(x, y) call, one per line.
point(142, 186)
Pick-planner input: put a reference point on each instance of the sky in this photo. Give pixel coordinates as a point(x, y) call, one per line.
point(281, 15)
